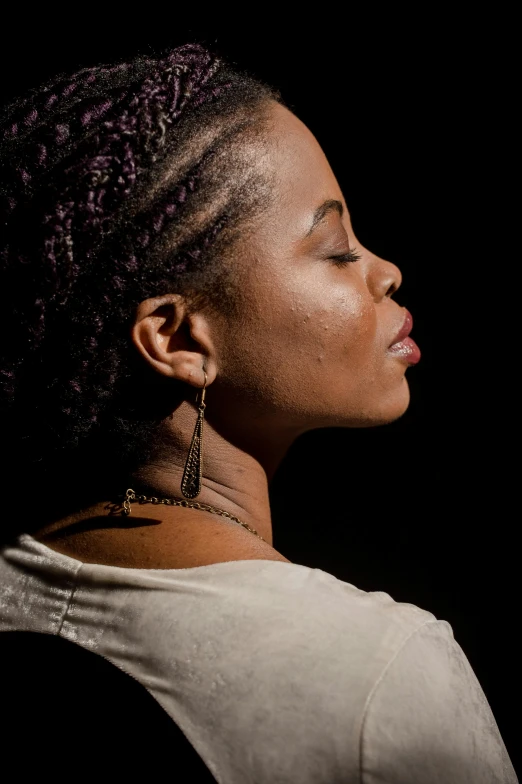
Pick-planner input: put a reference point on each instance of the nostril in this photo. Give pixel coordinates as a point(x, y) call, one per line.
point(392, 288)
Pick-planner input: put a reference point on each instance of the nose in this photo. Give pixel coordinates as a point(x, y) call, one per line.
point(383, 279)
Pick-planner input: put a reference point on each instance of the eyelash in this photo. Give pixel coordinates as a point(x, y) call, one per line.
point(346, 258)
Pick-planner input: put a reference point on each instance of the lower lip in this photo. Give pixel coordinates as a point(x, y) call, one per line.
point(407, 350)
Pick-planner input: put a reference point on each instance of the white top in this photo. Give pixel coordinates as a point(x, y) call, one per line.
point(275, 672)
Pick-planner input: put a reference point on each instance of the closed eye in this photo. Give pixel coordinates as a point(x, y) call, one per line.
point(345, 258)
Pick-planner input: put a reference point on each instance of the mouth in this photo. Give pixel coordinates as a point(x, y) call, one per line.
point(403, 347)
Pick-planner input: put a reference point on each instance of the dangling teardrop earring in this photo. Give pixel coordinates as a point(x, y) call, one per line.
point(191, 482)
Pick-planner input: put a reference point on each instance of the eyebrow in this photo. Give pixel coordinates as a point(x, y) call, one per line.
point(330, 205)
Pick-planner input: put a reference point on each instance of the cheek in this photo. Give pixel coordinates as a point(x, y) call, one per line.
point(336, 329)
point(313, 356)
point(304, 341)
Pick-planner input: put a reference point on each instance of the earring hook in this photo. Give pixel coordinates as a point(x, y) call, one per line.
point(202, 392)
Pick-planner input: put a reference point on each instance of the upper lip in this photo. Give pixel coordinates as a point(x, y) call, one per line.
point(404, 330)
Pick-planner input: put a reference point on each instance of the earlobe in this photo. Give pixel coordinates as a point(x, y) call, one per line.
point(174, 341)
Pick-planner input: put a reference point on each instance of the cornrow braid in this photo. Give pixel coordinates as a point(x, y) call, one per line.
point(118, 183)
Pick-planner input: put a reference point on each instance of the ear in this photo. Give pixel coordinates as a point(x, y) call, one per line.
point(175, 341)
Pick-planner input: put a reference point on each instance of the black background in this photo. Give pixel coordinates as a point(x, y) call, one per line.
point(414, 114)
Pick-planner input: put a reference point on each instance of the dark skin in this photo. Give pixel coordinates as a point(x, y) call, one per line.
point(309, 349)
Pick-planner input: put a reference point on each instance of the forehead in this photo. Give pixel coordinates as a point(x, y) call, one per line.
point(300, 172)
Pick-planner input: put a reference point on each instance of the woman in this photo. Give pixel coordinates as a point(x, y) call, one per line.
point(186, 297)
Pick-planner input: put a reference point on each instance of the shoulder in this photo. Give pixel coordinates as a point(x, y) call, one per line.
point(427, 718)
point(283, 657)
point(302, 631)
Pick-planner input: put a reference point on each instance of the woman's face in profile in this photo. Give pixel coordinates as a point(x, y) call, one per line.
point(319, 341)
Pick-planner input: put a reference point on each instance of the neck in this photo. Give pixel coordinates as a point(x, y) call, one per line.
point(235, 479)
point(235, 476)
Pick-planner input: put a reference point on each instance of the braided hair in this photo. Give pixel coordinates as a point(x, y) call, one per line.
point(117, 183)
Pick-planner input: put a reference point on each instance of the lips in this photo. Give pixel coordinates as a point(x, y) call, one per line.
point(403, 347)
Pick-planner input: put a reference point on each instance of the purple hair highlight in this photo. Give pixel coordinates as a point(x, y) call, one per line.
point(86, 237)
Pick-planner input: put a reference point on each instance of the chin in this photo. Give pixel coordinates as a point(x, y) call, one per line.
point(395, 406)
point(387, 410)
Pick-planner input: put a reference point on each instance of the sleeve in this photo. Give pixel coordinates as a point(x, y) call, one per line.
point(427, 720)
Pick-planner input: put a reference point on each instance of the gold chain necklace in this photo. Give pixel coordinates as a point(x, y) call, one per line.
point(131, 496)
